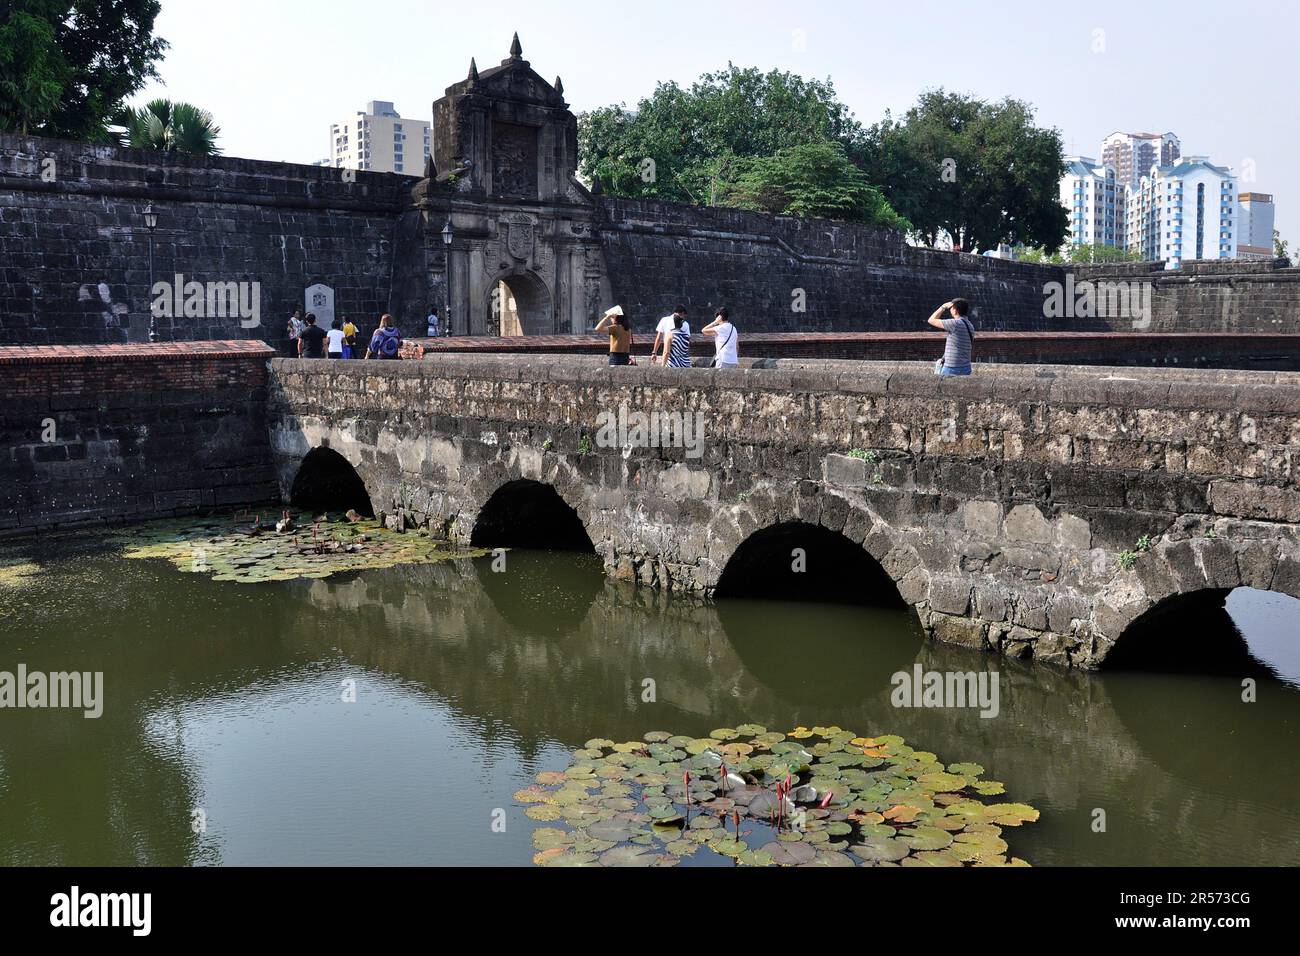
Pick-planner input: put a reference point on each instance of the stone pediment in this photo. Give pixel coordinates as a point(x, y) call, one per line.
point(513, 79)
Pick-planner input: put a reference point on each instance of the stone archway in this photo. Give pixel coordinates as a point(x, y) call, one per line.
point(519, 303)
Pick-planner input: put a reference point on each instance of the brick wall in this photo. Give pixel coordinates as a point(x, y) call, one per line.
point(101, 434)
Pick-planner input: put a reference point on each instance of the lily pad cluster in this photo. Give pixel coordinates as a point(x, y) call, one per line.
point(812, 797)
point(240, 548)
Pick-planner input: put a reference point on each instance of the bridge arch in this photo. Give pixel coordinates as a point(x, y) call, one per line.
point(800, 560)
point(526, 513)
point(326, 481)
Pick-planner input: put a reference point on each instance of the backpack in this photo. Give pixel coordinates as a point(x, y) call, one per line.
point(389, 342)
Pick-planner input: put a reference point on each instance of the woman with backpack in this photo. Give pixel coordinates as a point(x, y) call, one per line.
point(961, 337)
point(386, 343)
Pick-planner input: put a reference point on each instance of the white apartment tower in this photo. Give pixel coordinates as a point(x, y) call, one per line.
point(1184, 211)
point(1094, 199)
point(379, 139)
point(1255, 226)
point(1133, 154)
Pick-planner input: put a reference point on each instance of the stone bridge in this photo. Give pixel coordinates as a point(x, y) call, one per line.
point(1042, 512)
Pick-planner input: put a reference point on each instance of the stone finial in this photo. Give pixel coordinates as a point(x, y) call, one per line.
point(473, 71)
point(430, 170)
point(516, 51)
point(596, 188)
point(559, 86)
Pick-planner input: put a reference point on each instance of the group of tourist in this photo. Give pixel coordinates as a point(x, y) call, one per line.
point(672, 344)
point(339, 341)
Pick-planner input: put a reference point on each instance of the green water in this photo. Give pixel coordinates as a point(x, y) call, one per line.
point(225, 738)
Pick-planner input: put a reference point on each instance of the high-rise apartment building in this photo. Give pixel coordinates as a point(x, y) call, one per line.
point(379, 139)
point(1095, 200)
point(1254, 226)
point(1132, 155)
point(1183, 211)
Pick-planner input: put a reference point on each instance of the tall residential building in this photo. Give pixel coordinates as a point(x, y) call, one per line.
point(1183, 211)
point(379, 139)
point(1133, 154)
point(1094, 199)
point(1254, 226)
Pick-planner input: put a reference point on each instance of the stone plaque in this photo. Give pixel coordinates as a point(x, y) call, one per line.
point(319, 300)
point(519, 237)
point(514, 160)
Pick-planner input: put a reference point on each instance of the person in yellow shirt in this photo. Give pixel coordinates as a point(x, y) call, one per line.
point(349, 338)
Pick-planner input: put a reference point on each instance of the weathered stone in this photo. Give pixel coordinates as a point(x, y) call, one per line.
point(1026, 523)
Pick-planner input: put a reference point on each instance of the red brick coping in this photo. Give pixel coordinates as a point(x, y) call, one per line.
point(133, 352)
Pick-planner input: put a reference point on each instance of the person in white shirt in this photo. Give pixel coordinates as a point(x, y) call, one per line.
point(665, 327)
point(726, 353)
point(432, 324)
point(334, 339)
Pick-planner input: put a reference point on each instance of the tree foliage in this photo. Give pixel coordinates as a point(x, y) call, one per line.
point(679, 143)
point(182, 127)
point(811, 180)
point(978, 173)
point(67, 66)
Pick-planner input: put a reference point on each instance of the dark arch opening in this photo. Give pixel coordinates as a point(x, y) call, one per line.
point(327, 482)
point(529, 514)
point(797, 561)
point(521, 305)
point(1191, 633)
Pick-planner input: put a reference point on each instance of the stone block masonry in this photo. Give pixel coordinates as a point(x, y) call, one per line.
point(114, 433)
point(1000, 505)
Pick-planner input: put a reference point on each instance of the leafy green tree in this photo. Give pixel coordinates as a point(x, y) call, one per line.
point(1095, 252)
point(811, 180)
point(1280, 247)
point(679, 144)
point(179, 127)
point(979, 173)
point(67, 66)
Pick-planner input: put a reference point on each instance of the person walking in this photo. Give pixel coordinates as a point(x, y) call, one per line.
point(432, 323)
point(335, 339)
point(665, 327)
point(294, 328)
point(349, 338)
point(726, 352)
point(615, 323)
point(677, 347)
point(953, 318)
point(310, 339)
point(386, 343)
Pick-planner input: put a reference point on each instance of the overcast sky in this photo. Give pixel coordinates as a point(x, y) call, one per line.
point(1224, 77)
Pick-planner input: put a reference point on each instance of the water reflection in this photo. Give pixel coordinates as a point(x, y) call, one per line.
point(230, 698)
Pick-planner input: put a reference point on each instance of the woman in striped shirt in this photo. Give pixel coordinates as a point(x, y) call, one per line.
point(678, 346)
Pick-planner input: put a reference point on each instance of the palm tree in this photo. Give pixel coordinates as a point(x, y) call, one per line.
point(182, 127)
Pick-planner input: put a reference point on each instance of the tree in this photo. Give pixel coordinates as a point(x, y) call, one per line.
point(811, 180)
point(678, 144)
point(182, 127)
point(1096, 252)
point(1280, 247)
point(979, 173)
point(67, 66)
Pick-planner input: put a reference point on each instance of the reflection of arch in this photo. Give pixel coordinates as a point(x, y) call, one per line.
point(520, 299)
point(528, 514)
point(327, 482)
point(795, 560)
point(542, 594)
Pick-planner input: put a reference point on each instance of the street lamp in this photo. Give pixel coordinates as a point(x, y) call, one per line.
point(446, 285)
point(151, 223)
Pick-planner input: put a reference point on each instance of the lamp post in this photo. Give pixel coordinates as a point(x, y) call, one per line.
point(151, 223)
point(446, 285)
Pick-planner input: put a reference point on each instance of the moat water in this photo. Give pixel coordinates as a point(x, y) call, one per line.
point(225, 737)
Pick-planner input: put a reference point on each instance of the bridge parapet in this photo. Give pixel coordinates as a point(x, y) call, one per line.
point(1036, 511)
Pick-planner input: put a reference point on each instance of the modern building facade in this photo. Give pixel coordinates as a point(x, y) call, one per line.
point(1183, 211)
point(1255, 226)
point(1132, 155)
point(1095, 201)
point(379, 139)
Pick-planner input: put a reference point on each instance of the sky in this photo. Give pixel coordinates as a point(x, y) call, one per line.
point(276, 73)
